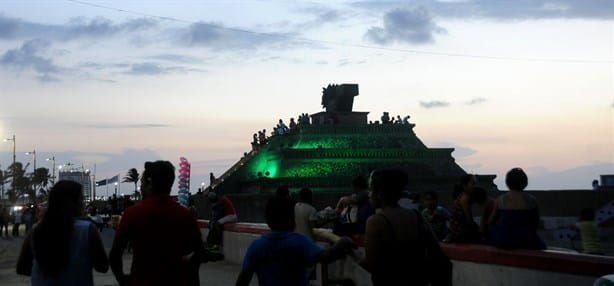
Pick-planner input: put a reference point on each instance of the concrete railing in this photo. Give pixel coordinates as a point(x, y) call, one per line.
point(473, 264)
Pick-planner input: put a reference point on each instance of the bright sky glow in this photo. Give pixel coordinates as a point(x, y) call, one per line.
point(117, 83)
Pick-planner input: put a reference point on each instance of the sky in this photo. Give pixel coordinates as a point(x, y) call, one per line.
point(108, 85)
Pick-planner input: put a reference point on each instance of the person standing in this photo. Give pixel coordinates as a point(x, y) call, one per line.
point(304, 213)
point(4, 221)
point(167, 246)
point(17, 218)
point(282, 257)
point(399, 243)
point(62, 249)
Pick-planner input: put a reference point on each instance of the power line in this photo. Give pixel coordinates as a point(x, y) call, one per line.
point(413, 51)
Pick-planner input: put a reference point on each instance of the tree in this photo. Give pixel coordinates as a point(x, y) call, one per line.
point(132, 177)
point(40, 180)
point(2, 182)
point(20, 183)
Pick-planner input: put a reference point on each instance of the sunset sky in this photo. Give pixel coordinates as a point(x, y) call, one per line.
point(115, 83)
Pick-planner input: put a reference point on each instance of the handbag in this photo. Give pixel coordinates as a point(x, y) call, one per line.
point(438, 266)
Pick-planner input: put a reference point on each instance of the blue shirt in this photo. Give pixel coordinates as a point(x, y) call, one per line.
point(78, 272)
point(281, 258)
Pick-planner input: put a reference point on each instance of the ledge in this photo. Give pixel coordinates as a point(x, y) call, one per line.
point(548, 260)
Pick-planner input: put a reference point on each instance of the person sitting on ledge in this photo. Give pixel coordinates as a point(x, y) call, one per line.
point(515, 218)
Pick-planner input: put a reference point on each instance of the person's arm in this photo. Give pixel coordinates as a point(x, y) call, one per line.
point(24, 262)
point(247, 269)
point(99, 256)
point(337, 251)
point(372, 242)
point(466, 205)
point(120, 242)
point(494, 214)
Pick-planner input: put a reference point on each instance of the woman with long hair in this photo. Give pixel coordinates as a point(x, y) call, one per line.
point(62, 249)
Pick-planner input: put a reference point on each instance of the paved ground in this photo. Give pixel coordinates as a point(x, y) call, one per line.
point(213, 273)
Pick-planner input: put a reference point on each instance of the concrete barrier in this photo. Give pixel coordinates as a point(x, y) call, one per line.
point(473, 264)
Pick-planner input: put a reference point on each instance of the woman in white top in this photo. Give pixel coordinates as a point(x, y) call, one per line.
point(62, 249)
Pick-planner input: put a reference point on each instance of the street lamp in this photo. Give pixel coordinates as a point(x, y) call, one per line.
point(52, 159)
point(12, 139)
point(115, 189)
point(33, 153)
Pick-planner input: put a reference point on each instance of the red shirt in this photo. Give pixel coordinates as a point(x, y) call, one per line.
point(229, 209)
point(160, 232)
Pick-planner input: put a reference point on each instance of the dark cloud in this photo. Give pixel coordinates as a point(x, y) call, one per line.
point(434, 104)
point(408, 26)
point(151, 68)
point(9, 27)
point(28, 57)
point(177, 58)
point(99, 27)
point(459, 151)
point(147, 69)
point(218, 37)
point(507, 10)
point(126, 126)
point(476, 100)
point(319, 16)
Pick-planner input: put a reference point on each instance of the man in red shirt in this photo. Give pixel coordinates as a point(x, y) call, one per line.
point(165, 237)
point(222, 212)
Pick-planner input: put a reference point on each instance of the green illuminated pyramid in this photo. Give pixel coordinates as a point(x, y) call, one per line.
point(336, 146)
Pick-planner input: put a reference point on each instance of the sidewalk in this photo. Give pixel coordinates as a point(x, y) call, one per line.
point(219, 273)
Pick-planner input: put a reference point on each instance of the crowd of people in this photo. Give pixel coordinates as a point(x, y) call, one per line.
point(26, 215)
point(401, 238)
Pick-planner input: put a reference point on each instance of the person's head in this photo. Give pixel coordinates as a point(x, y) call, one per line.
point(283, 191)
point(587, 214)
point(158, 178)
point(465, 184)
point(430, 199)
point(386, 186)
point(360, 183)
point(64, 197)
point(478, 196)
point(213, 197)
point(516, 179)
point(279, 213)
point(305, 196)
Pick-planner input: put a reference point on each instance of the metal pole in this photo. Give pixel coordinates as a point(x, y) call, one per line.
point(94, 182)
point(14, 143)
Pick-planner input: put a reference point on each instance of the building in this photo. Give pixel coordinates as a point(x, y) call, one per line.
point(80, 176)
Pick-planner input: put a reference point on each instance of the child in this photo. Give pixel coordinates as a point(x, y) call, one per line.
point(588, 232)
point(437, 216)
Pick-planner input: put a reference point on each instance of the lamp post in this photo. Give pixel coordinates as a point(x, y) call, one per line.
point(33, 153)
point(12, 139)
point(52, 159)
point(115, 189)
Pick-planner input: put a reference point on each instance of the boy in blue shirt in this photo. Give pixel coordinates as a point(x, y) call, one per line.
point(283, 256)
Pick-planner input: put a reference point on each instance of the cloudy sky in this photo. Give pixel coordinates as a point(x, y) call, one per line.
point(116, 83)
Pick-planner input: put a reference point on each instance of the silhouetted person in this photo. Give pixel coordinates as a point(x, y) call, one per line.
point(516, 216)
point(62, 249)
point(588, 232)
point(165, 237)
point(282, 256)
point(398, 240)
point(222, 212)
